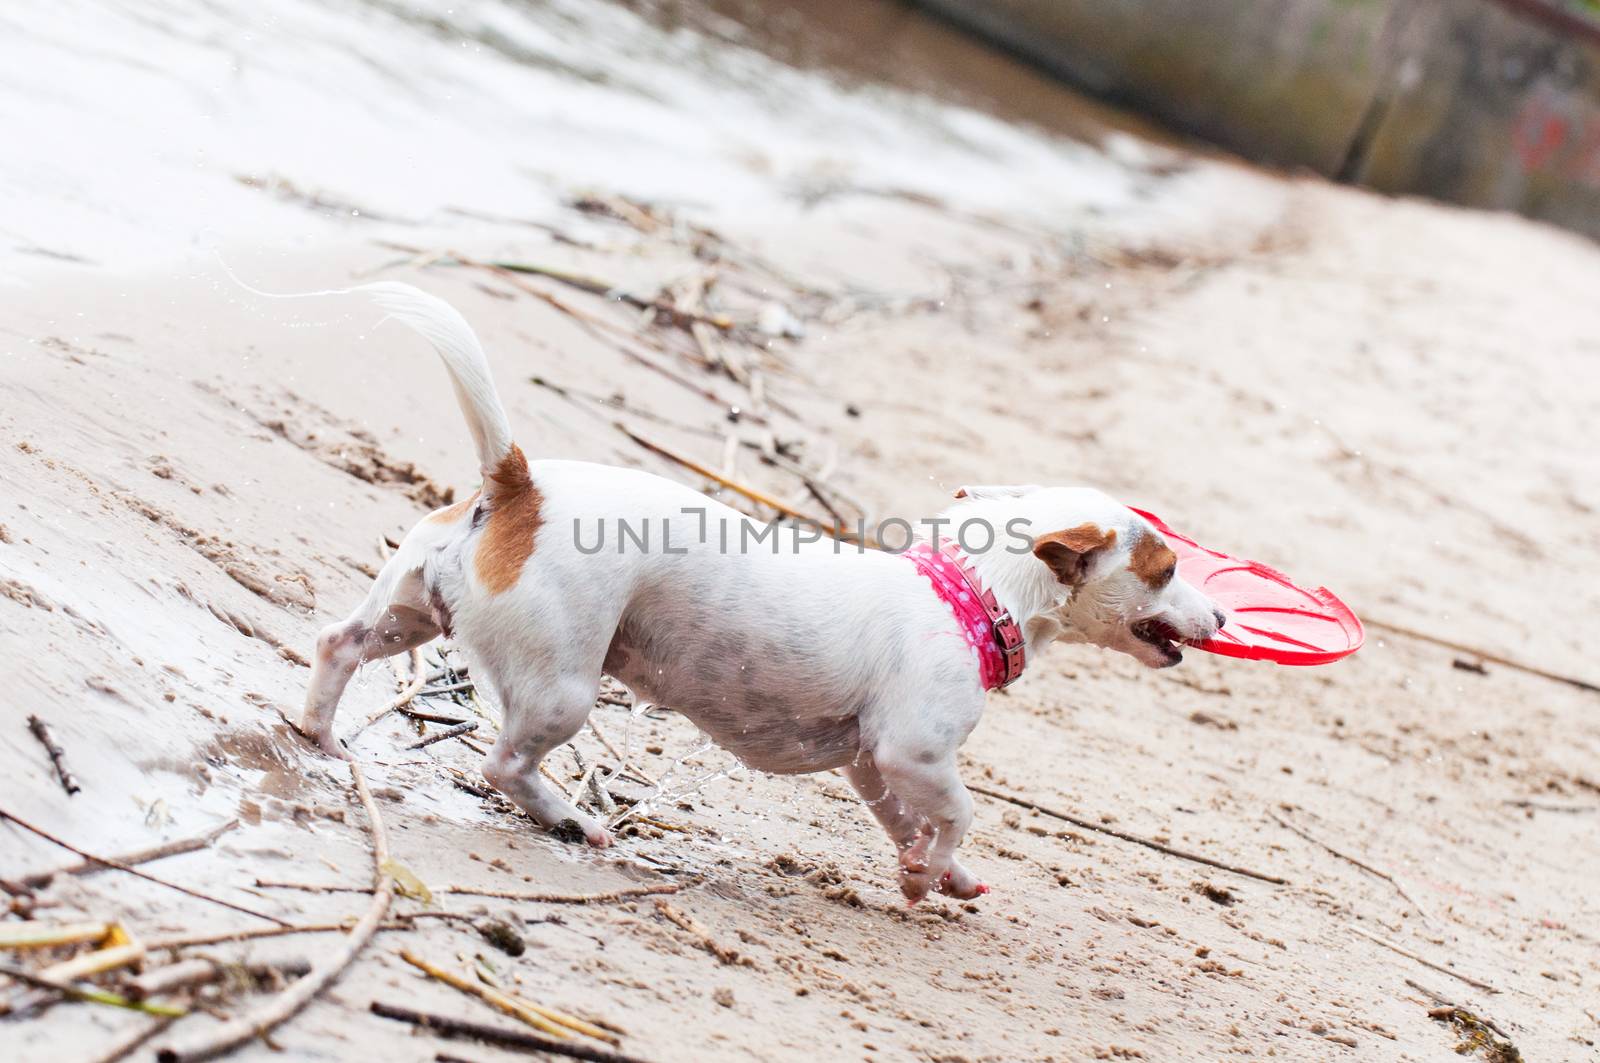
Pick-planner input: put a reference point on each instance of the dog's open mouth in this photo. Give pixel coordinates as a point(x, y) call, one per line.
point(1162, 636)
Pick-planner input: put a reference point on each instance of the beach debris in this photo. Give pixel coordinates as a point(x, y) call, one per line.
point(1408, 954)
point(211, 1043)
point(187, 974)
point(514, 1039)
point(460, 728)
point(130, 869)
point(41, 731)
point(1148, 843)
point(702, 936)
point(514, 1006)
point(87, 994)
point(1363, 865)
point(40, 935)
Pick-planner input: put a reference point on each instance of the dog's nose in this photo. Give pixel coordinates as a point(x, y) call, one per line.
point(1222, 618)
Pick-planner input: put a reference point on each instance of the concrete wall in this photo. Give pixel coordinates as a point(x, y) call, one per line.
point(1491, 103)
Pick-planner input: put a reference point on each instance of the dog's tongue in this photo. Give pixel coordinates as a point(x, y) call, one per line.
point(1269, 618)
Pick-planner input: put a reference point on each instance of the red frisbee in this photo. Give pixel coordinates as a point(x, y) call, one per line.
point(1269, 618)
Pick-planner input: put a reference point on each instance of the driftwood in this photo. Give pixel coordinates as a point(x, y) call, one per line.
point(40, 879)
point(1484, 655)
point(128, 868)
point(90, 996)
point(41, 731)
point(186, 973)
point(1408, 954)
point(1125, 836)
point(623, 894)
point(463, 728)
point(254, 1024)
point(495, 1035)
point(1363, 865)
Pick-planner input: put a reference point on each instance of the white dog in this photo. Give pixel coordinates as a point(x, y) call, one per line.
point(796, 656)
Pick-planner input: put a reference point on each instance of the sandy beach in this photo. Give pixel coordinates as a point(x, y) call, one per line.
point(925, 284)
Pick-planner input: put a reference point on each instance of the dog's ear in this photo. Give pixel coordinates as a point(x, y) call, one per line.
point(1069, 551)
point(986, 491)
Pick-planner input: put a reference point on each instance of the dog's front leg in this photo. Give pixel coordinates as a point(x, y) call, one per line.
point(931, 790)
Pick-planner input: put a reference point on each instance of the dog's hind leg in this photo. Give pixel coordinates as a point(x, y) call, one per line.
point(539, 716)
point(395, 617)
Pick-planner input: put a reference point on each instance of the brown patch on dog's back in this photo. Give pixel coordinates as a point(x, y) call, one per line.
point(1153, 560)
point(453, 513)
point(1064, 551)
point(513, 503)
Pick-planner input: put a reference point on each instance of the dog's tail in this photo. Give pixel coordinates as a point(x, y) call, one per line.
point(443, 326)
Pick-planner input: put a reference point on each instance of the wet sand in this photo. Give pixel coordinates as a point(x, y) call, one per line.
point(995, 284)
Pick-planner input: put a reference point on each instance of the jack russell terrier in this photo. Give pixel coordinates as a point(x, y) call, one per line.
point(794, 660)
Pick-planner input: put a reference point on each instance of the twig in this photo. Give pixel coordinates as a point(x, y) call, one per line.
point(517, 1009)
point(503, 895)
point(1363, 865)
point(122, 1048)
point(187, 973)
point(41, 731)
point(253, 1024)
point(518, 1039)
point(1408, 954)
point(129, 869)
point(223, 937)
point(1125, 836)
point(450, 688)
point(96, 961)
point(1446, 1002)
point(32, 935)
point(1483, 655)
point(40, 879)
point(751, 493)
point(703, 936)
point(91, 996)
point(429, 717)
point(462, 728)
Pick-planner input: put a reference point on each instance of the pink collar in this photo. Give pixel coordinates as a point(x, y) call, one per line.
point(991, 632)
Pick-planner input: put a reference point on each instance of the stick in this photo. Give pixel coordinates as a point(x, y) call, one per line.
point(702, 936)
point(449, 688)
point(517, 1039)
point(1408, 954)
point(430, 717)
point(40, 879)
point(41, 731)
point(136, 872)
point(31, 935)
point(1390, 879)
point(489, 995)
point(95, 962)
point(187, 973)
point(1492, 658)
point(751, 493)
point(1445, 1002)
point(503, 895)
point(1134, 838)
point(121, 1049)
point(232, 1034)
point(91, 996)
point(462, 728)
point(223, 937)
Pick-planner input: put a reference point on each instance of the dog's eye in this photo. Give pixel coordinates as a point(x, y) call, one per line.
point(1166, 575)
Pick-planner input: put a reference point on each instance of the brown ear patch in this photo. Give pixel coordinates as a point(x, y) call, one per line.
point(1066, 551)
point(452, 513)
point(514, 519)
point(1153, 561)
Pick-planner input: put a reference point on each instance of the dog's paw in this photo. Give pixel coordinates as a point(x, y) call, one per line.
point(961, 884)
point(914, 886)
point(597, 838)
